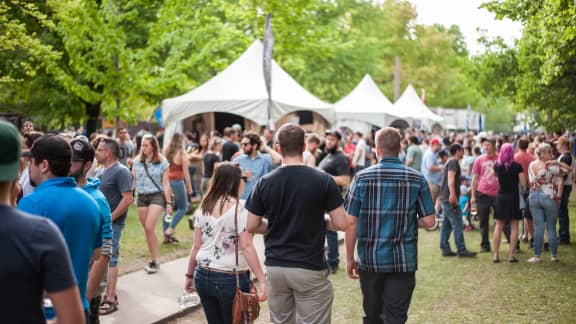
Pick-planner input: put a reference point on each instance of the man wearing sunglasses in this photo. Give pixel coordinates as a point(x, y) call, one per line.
point(253, 163)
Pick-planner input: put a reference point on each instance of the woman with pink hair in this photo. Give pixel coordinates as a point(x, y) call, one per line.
point(507, 210)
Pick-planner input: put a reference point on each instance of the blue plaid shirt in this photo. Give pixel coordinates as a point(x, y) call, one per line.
point(388, 198)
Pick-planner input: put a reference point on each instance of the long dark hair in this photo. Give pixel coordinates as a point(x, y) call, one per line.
point(176, 145)
point(224, 184)
point(156, 156)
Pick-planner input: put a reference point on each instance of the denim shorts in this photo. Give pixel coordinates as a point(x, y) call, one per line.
point(116, 235)
point(145, 200)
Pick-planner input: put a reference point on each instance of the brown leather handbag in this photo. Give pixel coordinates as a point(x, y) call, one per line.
point(246, 306)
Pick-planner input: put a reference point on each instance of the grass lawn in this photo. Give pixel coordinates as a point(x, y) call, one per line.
point(453, 290)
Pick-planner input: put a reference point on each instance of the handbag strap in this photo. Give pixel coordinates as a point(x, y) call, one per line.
point(236, 240)
point(145, 163)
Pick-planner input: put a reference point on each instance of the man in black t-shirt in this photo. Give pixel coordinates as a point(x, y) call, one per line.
point(563, 216)
point(34, 255)
point(449, 196)
point(229, 148)
point(294, 199)
point(336, 164)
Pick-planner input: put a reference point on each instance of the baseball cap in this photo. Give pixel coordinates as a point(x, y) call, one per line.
point(82, 150)
point(51, 147)
point(434, 141)
point(333, 132)
point(10, 151)
point(562, 140)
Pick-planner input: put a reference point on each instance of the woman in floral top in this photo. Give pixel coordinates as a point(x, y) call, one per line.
point(545, 175)
point(213, 259)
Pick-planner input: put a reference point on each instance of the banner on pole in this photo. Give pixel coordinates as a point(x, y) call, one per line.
point(267, 62)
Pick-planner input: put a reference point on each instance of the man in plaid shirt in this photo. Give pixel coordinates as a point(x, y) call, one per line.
point(386, 204)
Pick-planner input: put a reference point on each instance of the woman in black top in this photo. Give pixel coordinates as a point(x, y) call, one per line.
point(209, 161)
point(510, 175)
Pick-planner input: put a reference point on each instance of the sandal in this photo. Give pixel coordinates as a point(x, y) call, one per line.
point(495, 259)
point(534, 260)
point(513, 260)
point(553, 259)
point(107, 307)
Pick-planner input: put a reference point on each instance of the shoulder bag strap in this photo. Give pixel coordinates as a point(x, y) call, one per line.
point(149, 176)
point(236, 240)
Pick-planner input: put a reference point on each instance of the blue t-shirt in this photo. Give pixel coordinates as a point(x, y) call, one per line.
point(430, 159)
point(77, 216)
point(91, 187)
point(259, 166)
point(463, 203)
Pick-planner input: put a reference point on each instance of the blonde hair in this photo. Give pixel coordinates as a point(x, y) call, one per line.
point(541, 148)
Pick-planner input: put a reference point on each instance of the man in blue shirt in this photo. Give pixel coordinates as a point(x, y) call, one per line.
point(386, 203)
point(253, 163)
point(432, 169)
point(58, 198)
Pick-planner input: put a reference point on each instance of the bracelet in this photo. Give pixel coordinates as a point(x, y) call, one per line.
point(189, 276)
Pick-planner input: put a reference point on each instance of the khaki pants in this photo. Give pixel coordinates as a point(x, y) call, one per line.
point(298, 295)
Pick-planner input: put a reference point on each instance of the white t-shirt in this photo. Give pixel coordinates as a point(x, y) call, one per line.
point(360, 153)
point(217, 250)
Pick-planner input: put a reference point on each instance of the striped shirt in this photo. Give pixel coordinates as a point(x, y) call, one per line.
point(388, 198)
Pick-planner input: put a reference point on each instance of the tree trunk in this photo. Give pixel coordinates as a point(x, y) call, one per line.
point(93, 113)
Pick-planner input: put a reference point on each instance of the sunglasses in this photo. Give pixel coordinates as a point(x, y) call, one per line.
point(244, 144)
point(244, 178)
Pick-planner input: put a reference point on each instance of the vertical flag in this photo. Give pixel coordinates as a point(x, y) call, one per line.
point(467, 118)
point(267, 64)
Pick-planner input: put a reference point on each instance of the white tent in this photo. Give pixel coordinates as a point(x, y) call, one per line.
point(364, 106)
point(240, 89)
point(410, 107)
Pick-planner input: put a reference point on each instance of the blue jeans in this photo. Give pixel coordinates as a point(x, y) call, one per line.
point(544, 213)
point(452, 222)
point(563, 217)
point(181, 200)
point(116, 235)
point(216, 291)
point(191, 171)
point(332, 240)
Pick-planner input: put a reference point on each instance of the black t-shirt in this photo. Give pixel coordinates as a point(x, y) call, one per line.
point(508, 178)
point(34, 258)
point(451, 165)
point(335, 164)
point(229, 148)
point(566, 158)
point(295, 199)
point(209, 160)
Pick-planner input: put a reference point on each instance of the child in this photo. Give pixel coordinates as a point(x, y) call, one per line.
point(465, 205)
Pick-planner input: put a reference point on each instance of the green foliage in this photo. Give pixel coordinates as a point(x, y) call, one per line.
point(75, 60)
point(546, 58)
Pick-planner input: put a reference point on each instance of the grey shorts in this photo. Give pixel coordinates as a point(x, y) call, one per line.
point(145, 200)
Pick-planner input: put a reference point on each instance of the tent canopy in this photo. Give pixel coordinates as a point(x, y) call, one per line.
point(240, 89)
point(365, 104)
point(410, 106)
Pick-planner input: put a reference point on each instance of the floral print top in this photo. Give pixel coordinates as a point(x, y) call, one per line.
point(545, 180)
point(217, 250)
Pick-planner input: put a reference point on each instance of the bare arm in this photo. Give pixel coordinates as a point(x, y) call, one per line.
point(452, 187)
point(167, 191)
point(187, 180)
point(350, 241)
point(522, 180)
point(189, 284)
point(338, 219)
point(68, 306)
point(473, 188)
point(251, 257)
point(342, 180)
point(276, 157)
point(256, 224)
point(123, 205)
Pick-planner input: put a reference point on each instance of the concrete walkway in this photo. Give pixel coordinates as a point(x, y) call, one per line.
point(145, 298)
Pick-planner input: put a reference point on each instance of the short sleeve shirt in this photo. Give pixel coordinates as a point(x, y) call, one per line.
point(35, 260)
point(259, 166)
point(145, 185)
point(484, 170)
point(114, 181)
point(218, 250)
point(451, 165)
point(431, 159)
point(388, 198)
point(414, 152)
point(295, 198)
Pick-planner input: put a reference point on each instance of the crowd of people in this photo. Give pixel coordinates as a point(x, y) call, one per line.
point(298, 188)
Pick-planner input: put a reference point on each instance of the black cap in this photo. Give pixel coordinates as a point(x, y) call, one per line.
point(333, 132)
point(82, 150)
point(52, 148)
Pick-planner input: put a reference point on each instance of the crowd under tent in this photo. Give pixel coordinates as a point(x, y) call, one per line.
point(364, 107)
point(413, 112)
point(240, 90)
